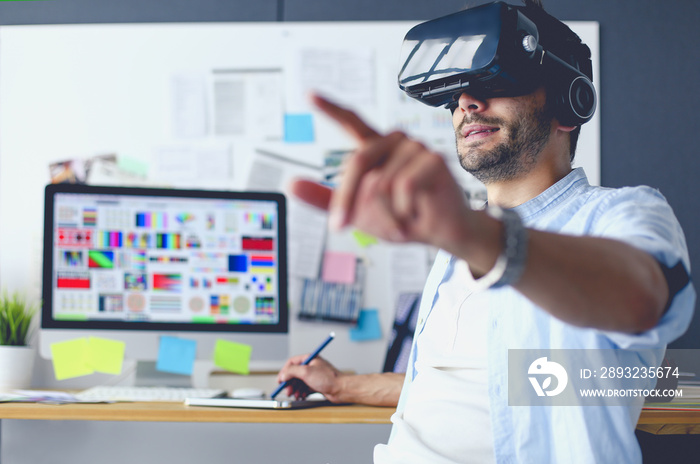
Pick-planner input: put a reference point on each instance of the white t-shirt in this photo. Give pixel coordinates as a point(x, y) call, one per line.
point(446, 419)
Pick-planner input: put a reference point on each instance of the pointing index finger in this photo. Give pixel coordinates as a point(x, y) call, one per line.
point(357, 128)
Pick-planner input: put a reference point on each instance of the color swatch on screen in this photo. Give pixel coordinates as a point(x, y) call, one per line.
point(193, 241)
point(168, 241)
point(110, 303)
point(261, 283)
point(227, 280)
point(238, 263)
point(100, 259)
point(168, 259)
point(151, 220)
point(170, 304)
point(71, 258)
point(74, 237)
point(167, 282)
point(131, 240)
point(265, 305)
point(184, 218)
point(73, 280)
point(264, 221)
point(260, 264)
point(220, 304)
point(109, 239)
point(89, 217)
point(138, 260)
point(258, 244)
point(135, 281)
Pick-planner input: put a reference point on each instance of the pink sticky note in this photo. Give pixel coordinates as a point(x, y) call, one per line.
point(339, 267)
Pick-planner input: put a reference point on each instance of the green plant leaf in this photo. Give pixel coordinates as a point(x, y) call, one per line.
point(16, 315)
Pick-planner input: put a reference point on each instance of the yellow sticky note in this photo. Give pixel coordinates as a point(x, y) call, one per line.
point(106, 355)
point(363, 239)
point(70, 358)
point(234, 357)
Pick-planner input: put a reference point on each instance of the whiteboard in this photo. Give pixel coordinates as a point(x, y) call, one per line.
point(76, 91)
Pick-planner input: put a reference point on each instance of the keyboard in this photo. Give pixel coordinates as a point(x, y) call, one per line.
point(133, 394)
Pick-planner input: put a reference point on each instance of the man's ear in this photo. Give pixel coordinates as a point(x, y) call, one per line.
point(566, 128)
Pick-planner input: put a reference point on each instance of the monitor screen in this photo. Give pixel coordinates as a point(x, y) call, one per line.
point(144, 260)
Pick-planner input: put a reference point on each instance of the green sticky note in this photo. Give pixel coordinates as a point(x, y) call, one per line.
point(70, 359)
point(132, 166)
point(106, 355)
point(363, 239)
point(234, 357)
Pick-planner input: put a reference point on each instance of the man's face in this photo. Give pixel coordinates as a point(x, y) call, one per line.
point(499, 139)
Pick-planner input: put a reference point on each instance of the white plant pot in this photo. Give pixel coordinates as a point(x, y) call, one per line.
point(16, 366)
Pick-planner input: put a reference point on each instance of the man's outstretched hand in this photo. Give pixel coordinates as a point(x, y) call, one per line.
point(392, 187)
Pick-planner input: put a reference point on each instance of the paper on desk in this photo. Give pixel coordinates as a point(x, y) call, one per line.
point(234, 357)
point(43, 396)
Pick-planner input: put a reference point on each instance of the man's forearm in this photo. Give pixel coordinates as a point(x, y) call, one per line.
point(373, 389)
point(594, 282)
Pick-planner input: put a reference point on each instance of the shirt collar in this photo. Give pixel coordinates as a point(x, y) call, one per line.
point(569, 185)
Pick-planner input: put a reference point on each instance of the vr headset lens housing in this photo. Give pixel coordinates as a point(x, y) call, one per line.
point(489, 51)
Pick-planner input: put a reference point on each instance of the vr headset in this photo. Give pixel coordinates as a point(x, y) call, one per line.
point(499, 50)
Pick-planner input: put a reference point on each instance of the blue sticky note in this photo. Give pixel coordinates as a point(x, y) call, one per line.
point(367, 326)
point(176, 355)
point(298, 128)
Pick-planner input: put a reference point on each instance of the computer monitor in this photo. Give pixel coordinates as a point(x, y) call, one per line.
point(134, 264)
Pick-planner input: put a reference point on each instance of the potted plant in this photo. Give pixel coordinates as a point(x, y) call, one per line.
point(16, 356)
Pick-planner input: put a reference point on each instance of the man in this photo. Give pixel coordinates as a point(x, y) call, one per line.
point(552, 263)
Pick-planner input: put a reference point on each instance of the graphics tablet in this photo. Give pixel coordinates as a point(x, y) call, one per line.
point(259, 403)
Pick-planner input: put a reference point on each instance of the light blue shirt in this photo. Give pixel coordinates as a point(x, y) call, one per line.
point(639, 216)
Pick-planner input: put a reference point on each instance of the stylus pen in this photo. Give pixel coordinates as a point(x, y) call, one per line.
point(311, 357)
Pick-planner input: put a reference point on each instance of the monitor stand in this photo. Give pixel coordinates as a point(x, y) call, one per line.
point(148, 376)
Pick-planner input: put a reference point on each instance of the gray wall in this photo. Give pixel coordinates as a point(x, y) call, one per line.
point(649, 64)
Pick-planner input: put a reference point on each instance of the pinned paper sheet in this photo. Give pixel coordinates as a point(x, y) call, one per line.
point(363, 239)
point(176, 355)
point(234, 357)
point(298, 128)
point(339, 267)
point(368, 327)
point(106, 356)
point(70, 359)
point(83, 356)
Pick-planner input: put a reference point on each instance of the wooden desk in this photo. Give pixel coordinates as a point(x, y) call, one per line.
point(178, 434)
point(177, 412)
point(656, 422)
point(666, 422)
point(108, 426)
